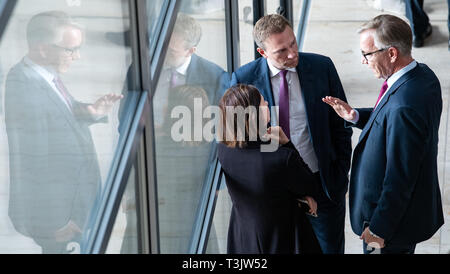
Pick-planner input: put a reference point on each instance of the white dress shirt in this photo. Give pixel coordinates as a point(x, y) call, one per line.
point(390, 81)
point(298, 121)
point(47, 76)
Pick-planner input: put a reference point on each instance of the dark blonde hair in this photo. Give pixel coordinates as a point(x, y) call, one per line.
point(268, 25)
point(188, 29)
point(244, 96)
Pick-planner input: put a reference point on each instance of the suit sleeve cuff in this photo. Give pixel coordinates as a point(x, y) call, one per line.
point(354, 121)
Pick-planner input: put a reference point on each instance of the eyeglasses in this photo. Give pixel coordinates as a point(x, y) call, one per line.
point(68, 51)
point(373, 52)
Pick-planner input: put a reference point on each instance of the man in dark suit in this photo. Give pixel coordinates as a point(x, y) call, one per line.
point(54, 172)
point(395, 200)
point(296, 82)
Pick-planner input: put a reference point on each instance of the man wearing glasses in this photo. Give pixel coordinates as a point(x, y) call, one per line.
point(54, 171)
point(395, 199)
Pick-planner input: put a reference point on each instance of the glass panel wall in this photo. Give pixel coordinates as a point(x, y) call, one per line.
point(217, 243)
point(272, 6)
point(246, 42)
point(297, 6)
point(154, 9)
point(125, 234)
point(62, 86)
point(193, 78)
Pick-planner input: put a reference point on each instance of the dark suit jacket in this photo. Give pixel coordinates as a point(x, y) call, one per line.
point(263, 188)
point(212, 78)
point(54, 173)
point(394, 181)
point(331, 140)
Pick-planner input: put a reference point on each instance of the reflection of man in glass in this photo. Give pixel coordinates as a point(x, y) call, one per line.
point(184, 67)
point(54, 172)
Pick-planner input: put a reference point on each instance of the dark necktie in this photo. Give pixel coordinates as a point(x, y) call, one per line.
point(382, 91)
point(173, 78)
point(284, 104)
point(63, 91)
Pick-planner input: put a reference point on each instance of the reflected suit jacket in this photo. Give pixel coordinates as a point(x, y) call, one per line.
point(200, 72)
point(54, 172)
point(394, 181)
point(330, 138)
point(212, 78)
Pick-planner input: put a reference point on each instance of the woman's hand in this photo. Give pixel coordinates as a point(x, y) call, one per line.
point(312, 205)
point(277, 134)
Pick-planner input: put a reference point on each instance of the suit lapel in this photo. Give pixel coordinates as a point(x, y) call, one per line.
point(60, 105)
point(191, 77)
point(264, 81)
point(385, 100)
point(307, 90)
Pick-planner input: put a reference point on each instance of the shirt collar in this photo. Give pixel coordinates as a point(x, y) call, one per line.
point(183, 68)
point(45, 73)
point(274, 71)
point(394, 77)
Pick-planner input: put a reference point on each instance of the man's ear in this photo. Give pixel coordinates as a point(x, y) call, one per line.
point(42, 51)
point(192, 51)
point(393, 54)
point(262, 52)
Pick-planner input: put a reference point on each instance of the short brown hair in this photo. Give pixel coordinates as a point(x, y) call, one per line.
point(268, 25)
point(188, 29)
point(391, 31)
point(244, 96)
point(46, 27)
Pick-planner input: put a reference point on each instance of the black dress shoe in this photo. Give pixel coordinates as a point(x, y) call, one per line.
point(418, 40)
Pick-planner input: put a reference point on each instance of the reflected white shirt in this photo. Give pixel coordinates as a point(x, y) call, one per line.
point(298, 120)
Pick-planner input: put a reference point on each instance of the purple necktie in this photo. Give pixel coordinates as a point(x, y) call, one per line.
point(382, 91)
point(173, 78)
point(62, 89)
point(284, 104)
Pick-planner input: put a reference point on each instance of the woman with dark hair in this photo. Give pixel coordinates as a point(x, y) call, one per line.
point(264, 186)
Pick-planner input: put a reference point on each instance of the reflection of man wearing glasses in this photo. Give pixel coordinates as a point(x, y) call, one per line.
point(54, 172)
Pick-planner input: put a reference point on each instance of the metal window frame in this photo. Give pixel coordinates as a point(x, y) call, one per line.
point(205, 201)
point(152, 46)
point(286, 9)
point(6, 9)
point(141, 130)
point(149, 131)
point(210, 208)
point(162, 44)
point(304, 16)
point(259, 10)
point(232, 33)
